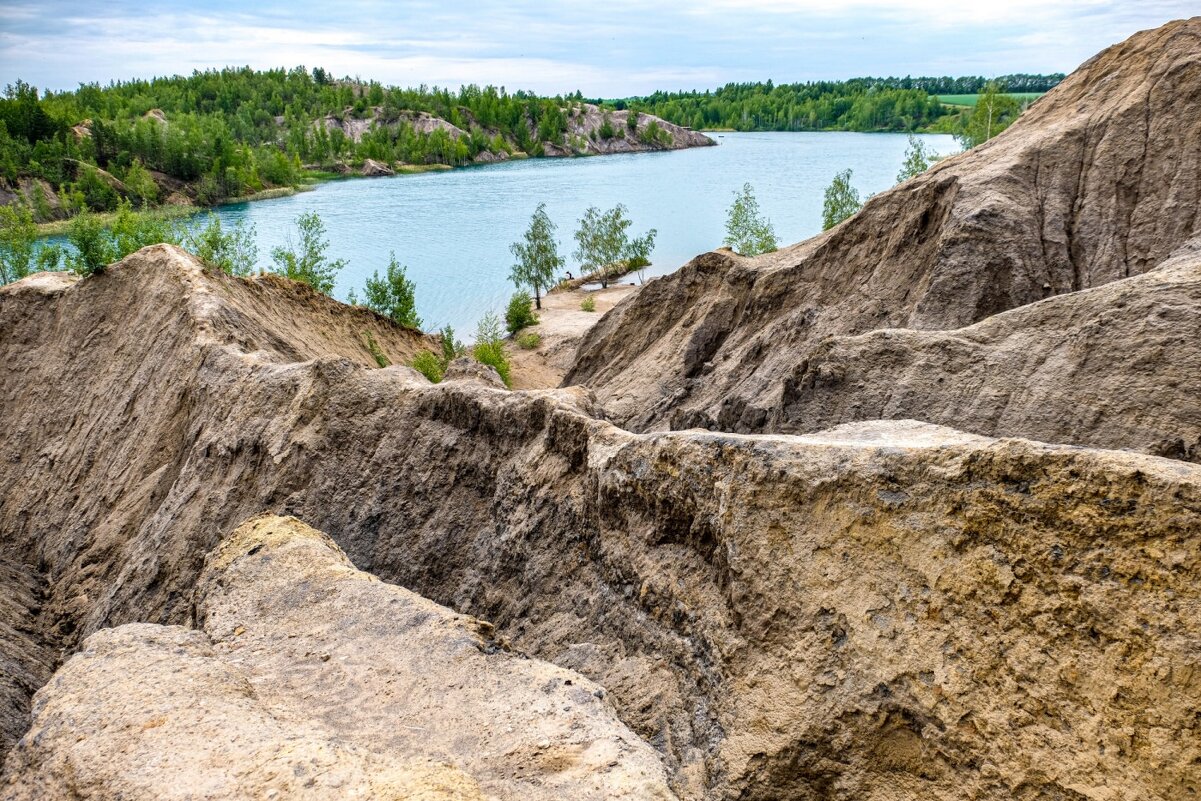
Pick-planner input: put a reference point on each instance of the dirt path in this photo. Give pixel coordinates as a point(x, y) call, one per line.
point(561, 325)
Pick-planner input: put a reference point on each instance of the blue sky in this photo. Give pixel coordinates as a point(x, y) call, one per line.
point(612, 48)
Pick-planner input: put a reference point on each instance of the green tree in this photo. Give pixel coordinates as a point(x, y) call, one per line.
point(394, 295)
point(18, 233)
point(638, 253)
point(994, 112)
point(841, 201)
point(141, 184)
point(307, 261)
point(538, 259)
point(747, 231)
point(603, 244)
point(451, 347)
point(519, 315)
point(94, 250)
point(233, 251)
point(918, 159)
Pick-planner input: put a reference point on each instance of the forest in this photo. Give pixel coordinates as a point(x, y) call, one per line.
point(861, 104)
point(232, 132)
point(221, 134)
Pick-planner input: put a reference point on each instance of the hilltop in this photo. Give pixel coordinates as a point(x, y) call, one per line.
point(230, 133)
point(927, 302)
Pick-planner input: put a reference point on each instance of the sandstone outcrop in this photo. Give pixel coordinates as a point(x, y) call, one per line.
point(887, 609)
point(1099, 181)
point(582, 137)
point(36, 194)
point(375, 169)
point(305, 677)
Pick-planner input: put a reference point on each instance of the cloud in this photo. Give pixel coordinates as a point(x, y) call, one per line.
point(617, 48)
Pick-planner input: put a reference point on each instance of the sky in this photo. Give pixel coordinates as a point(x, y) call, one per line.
point(610, 48)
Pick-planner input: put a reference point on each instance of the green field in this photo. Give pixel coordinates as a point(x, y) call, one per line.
point(970, 100)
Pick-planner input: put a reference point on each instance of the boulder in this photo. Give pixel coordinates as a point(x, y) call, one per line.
point(374, 169)
point(306, 678)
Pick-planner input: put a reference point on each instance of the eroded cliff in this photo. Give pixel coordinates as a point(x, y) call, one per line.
point(1098, 182)
point(884, 609)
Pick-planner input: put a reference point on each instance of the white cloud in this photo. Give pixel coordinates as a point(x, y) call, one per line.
point(617, 48)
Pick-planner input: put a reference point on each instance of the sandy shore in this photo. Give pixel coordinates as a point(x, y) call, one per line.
point(561, 324)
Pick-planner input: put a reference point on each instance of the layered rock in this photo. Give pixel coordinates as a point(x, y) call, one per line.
point(585, 124)
point(1098, 182)
point(307, 678)
point(885, 609)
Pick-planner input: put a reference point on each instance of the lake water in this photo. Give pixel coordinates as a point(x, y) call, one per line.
point(452, 229)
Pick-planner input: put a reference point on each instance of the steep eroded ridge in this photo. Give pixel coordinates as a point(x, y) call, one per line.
point(1098, 182)
point(884, 608)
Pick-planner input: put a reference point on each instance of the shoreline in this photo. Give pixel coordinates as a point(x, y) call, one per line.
point(312, 180)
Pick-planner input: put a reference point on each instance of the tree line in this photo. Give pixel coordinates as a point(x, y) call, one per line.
point(859, 104)
point(233, 132)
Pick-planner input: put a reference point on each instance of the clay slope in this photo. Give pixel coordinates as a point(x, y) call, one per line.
point(98, 399)
point(885, 610)
point(1099, 181)
point(312, 679)
point(1115, 366)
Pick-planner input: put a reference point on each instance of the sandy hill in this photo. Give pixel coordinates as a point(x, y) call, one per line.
point(1098, 182)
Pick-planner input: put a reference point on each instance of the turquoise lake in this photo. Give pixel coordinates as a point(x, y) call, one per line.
point(452, 229)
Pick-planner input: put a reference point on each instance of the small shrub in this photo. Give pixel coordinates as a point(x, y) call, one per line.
point(232, 251)
point(375, 350)
point(451, 347)
point(394, 295)
point(588, 304)
point(429, 365)
point(489, 346)
point(93, 249)
point(307, 262)
point(529, 340)
point(493, 355)
point(519, 314)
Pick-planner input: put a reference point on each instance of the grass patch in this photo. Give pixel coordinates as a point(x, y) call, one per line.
point(413, 169)
point(969, 101)
point(588, 304)
point(529, 340)
point(107, 218)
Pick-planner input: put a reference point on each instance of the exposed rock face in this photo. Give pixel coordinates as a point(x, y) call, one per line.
point(308, 678)
point(1115, 366)
point(35, 194)
point(374, 169)
point(586, 126)
point(1099, 181)
point(583, 131)
point(884, 610)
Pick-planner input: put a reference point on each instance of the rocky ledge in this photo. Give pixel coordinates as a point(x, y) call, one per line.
point(885, 608)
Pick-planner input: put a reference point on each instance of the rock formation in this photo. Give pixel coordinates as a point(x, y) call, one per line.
point(584, 125)
point(884, 609)
point(315, 680)
point(1099, 181)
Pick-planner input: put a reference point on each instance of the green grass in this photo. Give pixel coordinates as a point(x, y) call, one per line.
point(60, 227)
point(970, 100)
